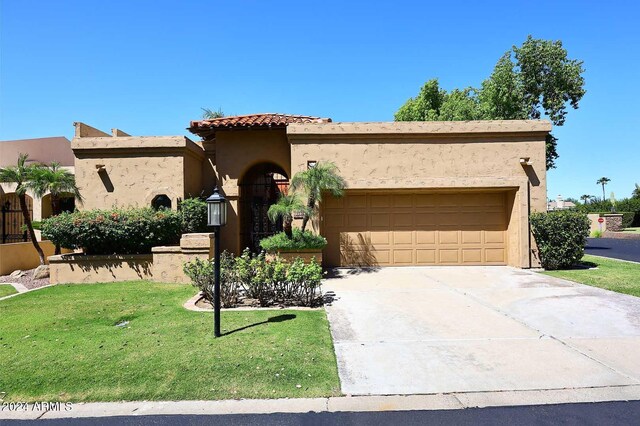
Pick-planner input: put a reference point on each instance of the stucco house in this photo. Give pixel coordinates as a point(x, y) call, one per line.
point(419, 193)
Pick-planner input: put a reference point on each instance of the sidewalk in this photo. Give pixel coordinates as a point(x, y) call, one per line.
point(452, 401)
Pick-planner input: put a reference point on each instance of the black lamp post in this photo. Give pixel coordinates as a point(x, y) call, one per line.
point(217, 217)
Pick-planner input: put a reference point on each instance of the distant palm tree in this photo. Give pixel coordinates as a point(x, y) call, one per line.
point(603, 181)
point(323, 177)
point(210, 114)
point(636, 192)
point(55, 180)
point(22, 176)
point(585, 198)
point(284, 209)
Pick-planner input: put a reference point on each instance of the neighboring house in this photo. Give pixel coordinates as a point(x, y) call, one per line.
point(41, 150)
point(420, 193)
point(560, 204)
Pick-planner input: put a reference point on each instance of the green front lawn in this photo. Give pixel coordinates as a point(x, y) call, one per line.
point(632, 230)
point(615, 275)
point(7, 290)
point(62, 344)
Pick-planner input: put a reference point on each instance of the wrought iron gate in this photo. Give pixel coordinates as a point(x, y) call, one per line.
point(12, 222)
point(255, 199)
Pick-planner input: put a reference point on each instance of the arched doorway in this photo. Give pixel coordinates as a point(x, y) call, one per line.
point(12, 220)
point(260, 187)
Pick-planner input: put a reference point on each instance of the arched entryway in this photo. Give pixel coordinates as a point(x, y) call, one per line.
point(12, 219)
point(260, 187)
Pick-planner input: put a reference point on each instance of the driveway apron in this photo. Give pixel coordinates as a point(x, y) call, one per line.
point(421, 330)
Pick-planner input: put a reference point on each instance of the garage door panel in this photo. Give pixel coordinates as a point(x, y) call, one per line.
point(471, 237)
point(495, 255)
point(448, 256)
point(426, 257)
point(356, 201)
point(425, 237)
point(472, 255)
point(380, 220)
point(403, 257)
point(379, 201)
point(403, 238)
point(369, 229)
point(402, 220)
point(448, 237)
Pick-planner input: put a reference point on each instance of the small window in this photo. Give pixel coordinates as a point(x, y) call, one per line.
point(161, 201)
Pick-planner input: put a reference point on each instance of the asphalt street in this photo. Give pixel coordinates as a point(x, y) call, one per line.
point(614, 248)
point(604, 413)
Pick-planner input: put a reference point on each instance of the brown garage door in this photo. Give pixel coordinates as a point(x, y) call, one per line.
point(398, 228)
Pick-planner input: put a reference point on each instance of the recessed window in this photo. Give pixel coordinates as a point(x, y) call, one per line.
point(160, 201)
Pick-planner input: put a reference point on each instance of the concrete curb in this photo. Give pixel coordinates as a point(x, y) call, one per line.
point(191, 306)
point(452, 401)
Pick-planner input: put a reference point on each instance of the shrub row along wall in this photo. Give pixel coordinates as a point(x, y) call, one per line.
point(164, 264)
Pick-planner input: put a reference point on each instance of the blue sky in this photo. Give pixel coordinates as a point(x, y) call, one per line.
point(148, 67)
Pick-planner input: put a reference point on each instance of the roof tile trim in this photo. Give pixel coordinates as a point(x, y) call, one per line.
point(254, 120)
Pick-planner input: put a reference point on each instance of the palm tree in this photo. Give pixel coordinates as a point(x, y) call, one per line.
point(284, 209)
point(636, 192)
point(55, 180)
point(21, 175)
point(603, 181)
point(323, 177)
point(585, 198)
point(209, 114)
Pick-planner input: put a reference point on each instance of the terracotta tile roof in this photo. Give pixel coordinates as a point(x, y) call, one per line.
point(201, 127)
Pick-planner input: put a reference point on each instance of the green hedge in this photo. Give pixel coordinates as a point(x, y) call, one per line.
point(300, 241)
point(117, 231)
point(194, 215)
point(561, 237)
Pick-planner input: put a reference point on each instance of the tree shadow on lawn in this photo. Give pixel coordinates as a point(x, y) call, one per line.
point(278, 318)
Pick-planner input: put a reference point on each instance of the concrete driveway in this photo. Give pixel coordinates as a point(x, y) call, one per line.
point(464, 329)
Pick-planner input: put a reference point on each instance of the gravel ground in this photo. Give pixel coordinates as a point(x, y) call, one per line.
point(26, 281)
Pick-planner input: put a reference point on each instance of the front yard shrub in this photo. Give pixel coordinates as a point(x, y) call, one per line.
point(300, 241)
point(561, 237)
point(201, 274)
point(117, 231)
point(253, 276)
point(194, 215)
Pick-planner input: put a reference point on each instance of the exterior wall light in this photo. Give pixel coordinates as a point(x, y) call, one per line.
point(311, 164)
point(217, 217)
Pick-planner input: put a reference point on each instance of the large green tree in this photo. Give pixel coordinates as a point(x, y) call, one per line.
point(535, 79)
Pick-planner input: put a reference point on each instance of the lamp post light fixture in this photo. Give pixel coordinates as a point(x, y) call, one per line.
point(216, 217)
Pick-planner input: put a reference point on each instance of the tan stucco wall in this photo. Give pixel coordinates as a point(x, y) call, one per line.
point(235, 153)
point(70, 268)
point(136, 169)
point(23, 256)
point(438, 156)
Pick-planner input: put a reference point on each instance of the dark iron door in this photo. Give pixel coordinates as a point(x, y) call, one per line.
point(256, 198)
point(12, 222)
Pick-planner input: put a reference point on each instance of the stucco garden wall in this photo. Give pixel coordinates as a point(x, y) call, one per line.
point(164, 264)
point(23, 256)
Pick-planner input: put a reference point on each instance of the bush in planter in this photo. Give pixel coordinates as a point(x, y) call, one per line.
point(561, 237)
point(117, 231)
point(300, 241)
point(194, 215)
